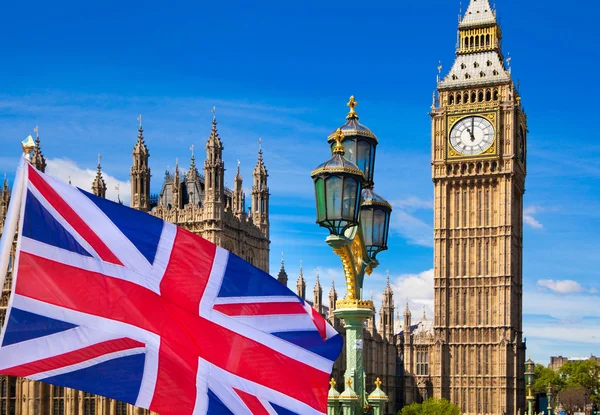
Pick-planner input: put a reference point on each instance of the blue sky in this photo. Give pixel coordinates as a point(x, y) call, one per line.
point(284, 71)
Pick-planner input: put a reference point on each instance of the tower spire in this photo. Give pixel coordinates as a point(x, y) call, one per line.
point(37, 158)
point(214, 183)
point(140, 173)
point(301, 284)
point(282, 276)
point(99, 185)
point(260, 194)
point(318, 295)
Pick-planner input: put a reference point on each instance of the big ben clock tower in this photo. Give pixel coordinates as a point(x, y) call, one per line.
point(479, 167)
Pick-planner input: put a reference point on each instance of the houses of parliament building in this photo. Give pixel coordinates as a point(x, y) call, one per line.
point(471, 351)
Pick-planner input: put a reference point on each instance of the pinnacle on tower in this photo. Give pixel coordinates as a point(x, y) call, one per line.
point(99, 185)
point(318, 295)
point(140, 173)
point(37, 158)
point(478, 13)
point(301, 284)
point(239, 197)
point(192, 173)
point(260, 194)
point(282, 276)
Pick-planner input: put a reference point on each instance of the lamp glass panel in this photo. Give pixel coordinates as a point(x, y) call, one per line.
point(378, 227)
point(364, 158)
point(366, 220)
point(320, 195)
point(350, 194)
point(333, 187)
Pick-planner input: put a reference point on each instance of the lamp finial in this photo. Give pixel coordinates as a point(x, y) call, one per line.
point(352, 104)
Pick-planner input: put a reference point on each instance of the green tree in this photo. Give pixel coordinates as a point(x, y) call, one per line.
point(431, 406)
point(545, 376)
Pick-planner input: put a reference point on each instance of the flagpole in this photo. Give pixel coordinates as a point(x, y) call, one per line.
point(12, 220)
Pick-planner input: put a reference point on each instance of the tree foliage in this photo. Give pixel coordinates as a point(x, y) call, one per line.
point(431, 406)
point(545, 376)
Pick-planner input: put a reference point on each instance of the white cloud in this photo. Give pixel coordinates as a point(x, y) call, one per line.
point(418, 290)
point(413, 203)
point(412, 228)
point(529, 219)
point(65, 170)
point(561, 286)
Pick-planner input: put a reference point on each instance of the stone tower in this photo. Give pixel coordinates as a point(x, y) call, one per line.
point(99, 185)
point(333, 320)
point(318, 296)
point(37, 158)
point(282, 277)
point(238, 197)
point(479, 165)
point(301, 285)
point(214, 186)
point(140, 174)
point(260, 195)
point(386, 313)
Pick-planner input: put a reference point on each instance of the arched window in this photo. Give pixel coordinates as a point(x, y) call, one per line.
point(463, 66)
point(120, 408)
point(472, 42)
point(475, 65)
point(58, 400)
point(482, 40)
point(459, 98)
point(89, 404)
point(487, 40)
point(473, 97)
point(488, 95)
point(454, 77)
point(482, 74)
point(480, 96)
point(489, 63)
point(466, 43)
point(477, 41)
point(467, 76)
point(495, 94)
point(451, 99)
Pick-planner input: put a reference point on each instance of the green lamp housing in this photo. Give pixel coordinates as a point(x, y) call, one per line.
point(338, 186)
point(360, 143)
point(529, 371)
point(375, 214)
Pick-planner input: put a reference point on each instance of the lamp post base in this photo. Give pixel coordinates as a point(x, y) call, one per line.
point(354, 313)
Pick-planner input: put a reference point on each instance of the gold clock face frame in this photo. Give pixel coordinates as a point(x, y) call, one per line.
point(487, 120)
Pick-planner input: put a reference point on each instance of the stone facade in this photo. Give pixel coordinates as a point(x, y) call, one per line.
point(199, 203)
point(556, 362)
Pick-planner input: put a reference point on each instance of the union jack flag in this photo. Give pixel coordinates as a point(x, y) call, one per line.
point(118, 303)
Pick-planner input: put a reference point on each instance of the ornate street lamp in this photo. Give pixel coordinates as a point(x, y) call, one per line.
point(358, 221)
point(529, 379)
point(549, 393)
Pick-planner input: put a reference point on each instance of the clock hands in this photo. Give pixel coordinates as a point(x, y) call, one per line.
point(471, 133)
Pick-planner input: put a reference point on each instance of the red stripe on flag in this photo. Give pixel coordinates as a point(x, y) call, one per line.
point(257, 309)
point(71, 217)
point(72, 358)
point(320, 323)
point(252, 402)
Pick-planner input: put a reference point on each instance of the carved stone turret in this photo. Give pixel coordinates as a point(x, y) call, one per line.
point(99, 185)
point(214, 185)
point(301, 285)
point(37, 158)
point(318, 296)
point(282, 277)
point(140, 173)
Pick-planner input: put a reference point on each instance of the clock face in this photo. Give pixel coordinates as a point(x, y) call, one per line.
point(472, 135)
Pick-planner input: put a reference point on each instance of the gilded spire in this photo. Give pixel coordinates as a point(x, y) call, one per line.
point(339, 148)
point(352, 105)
